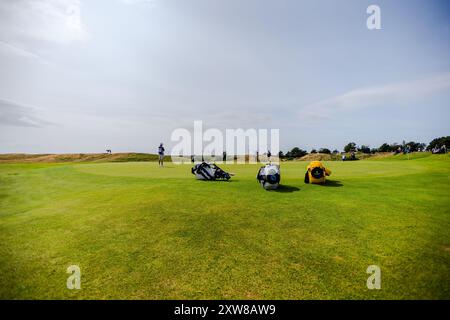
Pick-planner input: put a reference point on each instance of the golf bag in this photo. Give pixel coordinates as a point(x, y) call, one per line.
point(316, 173)
point(269, 176)
point(206, 171)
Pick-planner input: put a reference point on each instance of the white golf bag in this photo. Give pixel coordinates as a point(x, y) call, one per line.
point(269, 176)
point(206, 171)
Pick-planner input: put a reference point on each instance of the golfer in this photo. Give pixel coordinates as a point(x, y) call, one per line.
point(161, 154)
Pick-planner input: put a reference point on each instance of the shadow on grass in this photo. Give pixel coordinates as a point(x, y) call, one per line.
point(286, 189)
point(218, 180)
point(333, 183)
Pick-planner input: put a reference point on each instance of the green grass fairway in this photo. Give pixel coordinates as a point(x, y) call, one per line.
point(139, 231)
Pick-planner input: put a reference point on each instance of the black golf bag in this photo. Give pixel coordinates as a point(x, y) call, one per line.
point(206, 171)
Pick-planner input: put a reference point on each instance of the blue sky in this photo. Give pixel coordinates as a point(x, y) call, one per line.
point(85, 76)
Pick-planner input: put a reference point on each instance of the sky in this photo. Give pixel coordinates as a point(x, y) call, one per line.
point(85, 76)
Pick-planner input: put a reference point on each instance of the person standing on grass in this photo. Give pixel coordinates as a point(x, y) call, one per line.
point(161, 155)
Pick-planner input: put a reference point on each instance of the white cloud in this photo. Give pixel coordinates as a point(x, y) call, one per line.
point(19, 115)
point(29, 23)
point(392, 94)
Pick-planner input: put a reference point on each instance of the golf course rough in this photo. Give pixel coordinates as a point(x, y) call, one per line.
point(142, 232)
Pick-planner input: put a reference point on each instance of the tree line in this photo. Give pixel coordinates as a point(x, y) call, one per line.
point(413, 146)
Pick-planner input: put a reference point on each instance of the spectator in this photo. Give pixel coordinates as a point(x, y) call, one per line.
point(161, 155)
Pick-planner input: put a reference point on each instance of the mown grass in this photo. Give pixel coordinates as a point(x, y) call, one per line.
point(139, 231)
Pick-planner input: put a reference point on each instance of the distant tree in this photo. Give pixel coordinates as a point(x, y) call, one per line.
point(350, 147)
point(335, 151)
point(439, 142)
point(373, 150)
point(313, 151)
point(324, 150)
point(395, 147)
point(385, 148)
point(422, 147)
point(297, 153)
point(281, 155)
point(416, 146)
point(364, 149)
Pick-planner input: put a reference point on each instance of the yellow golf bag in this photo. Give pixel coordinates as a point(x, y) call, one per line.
point(316, 173)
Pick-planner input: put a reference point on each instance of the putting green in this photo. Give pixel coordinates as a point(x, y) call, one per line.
point(139, 231)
